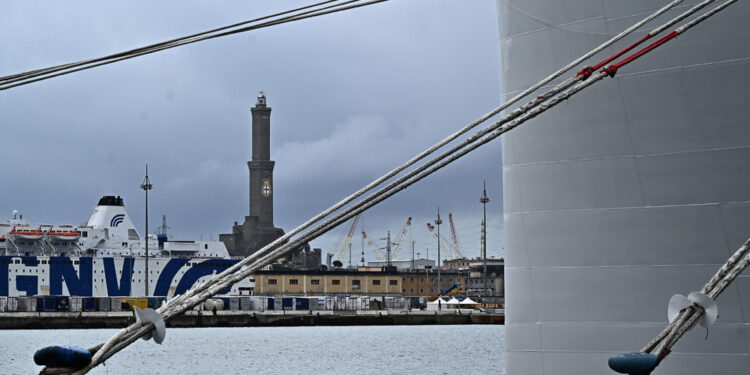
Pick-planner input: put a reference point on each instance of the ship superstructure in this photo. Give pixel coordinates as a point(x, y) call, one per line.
point(633, 191)
point(104, 257)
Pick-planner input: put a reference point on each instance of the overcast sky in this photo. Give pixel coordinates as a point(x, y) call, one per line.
point(353, 95)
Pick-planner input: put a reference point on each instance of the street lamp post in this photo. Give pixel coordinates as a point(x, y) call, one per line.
point(483, 200)
point(438, 221)
point(146, 186)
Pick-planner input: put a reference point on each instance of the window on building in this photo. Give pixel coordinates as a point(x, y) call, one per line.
point(402, 290)
point(421, 279)
point(411, 279)
point(450, 279)
point(393, 282)
point(411, 290)
point(293, 281)
point(403, 279)
point(335, 282)
point(271, 281)
point(421, 290)
point(314, 282)
point(376, 282)
point(355, 284)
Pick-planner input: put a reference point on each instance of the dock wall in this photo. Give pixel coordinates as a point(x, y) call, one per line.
point(78, 320)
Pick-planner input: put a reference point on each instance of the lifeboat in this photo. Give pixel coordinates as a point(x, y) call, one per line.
point(64, 235)
point(2, 239)
point(27, 234)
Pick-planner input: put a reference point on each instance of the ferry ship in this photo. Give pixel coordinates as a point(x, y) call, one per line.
point(105, 257)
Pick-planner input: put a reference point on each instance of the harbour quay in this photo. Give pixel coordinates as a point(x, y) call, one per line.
point(246, 311)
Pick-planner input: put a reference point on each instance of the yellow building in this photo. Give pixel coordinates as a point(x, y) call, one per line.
point(420, 283)
point(318, 283)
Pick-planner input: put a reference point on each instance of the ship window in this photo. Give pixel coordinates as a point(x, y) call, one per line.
point(84, 234)
point(18, 261)
point(206, 246)
point(76, 262)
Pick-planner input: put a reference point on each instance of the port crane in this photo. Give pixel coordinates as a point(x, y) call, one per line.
point(400, 239)
point(449, 289)
point(371, 245)
point(456, 246)
point(443, 241)
point(397, 245)
point(343, 243)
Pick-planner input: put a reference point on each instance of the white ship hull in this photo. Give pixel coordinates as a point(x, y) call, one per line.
point(109, 276)
point(630, 192)
point(106, 257)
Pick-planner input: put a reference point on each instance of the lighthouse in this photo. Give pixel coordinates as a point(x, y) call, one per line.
point(258, 229)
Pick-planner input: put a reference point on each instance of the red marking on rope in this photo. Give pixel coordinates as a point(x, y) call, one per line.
point(610, 70)
point(585, 73)
point(645, 50)
point(621, 52)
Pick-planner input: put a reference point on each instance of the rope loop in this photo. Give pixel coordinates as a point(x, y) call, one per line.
point(610, 70)
point(585, 73)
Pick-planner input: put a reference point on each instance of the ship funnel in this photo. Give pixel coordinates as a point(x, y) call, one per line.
point(110, 214)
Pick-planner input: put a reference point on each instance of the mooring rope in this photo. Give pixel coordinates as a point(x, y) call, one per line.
point(25, 78)
point(737, 263)
point(469, 127)
point(245, 268)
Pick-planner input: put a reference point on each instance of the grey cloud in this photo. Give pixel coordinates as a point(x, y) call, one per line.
point(353, 95)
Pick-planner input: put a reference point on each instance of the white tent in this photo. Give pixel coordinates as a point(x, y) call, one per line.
point(468, 301)
point(453, 301)
point(438, 303)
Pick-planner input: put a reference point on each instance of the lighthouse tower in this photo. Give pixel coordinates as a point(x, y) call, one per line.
point(257, 230)
point(261, 165)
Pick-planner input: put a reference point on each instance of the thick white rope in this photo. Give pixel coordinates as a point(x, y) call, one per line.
point(20, 79)
point(457, 134)
point(33, 73)
point(182, 303)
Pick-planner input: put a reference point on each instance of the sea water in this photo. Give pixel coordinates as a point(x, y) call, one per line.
point(429, 349)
